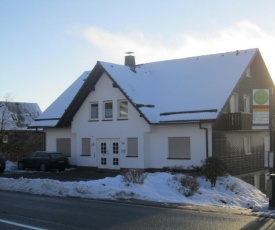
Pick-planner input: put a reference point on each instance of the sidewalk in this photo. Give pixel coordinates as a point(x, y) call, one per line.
point(68, 175)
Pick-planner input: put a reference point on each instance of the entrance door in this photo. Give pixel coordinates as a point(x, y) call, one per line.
point(108, 152)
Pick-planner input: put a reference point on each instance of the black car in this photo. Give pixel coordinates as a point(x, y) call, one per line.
point(43, 160)
point(2, 163)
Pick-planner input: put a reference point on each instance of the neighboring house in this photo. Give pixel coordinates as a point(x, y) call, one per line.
point(16, 139)
point(172, 113)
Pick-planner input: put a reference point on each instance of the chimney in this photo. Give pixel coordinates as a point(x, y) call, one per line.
point(130, 60)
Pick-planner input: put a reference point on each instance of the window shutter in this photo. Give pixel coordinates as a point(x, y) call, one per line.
point(132, 147)
point(63, 145)
point(86, 146)
point(179, 147)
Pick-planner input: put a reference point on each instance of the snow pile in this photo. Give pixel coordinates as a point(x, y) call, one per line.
point(229, 192)
point(10, 166)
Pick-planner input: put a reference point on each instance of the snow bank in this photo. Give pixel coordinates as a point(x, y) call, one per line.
point(159, 187)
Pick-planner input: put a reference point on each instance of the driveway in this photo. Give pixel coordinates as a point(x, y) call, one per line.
point(68, 175)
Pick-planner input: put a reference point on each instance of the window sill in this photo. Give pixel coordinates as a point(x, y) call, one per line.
point(85, 155)
point(132, 156)
point(95, 120)
point(107, 120)
point(122, 119)
point(169, 158)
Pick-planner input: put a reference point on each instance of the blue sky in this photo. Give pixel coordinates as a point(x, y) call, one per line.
point(46, 44)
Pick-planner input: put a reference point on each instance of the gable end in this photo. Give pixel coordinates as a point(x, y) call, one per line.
point(86, 88)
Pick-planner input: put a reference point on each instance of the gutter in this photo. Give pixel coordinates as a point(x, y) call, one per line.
point(206, 139)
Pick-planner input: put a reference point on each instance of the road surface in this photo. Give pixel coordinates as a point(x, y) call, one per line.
point(25, 211)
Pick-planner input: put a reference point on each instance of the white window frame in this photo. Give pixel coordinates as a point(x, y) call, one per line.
point(248, 72)
point(179, 148)
point(105, 112)
point(92, 112)
point(234, 103)
point(246, 102)
point(122, 109)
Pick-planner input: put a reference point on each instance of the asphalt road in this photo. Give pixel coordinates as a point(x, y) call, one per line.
point(24, 211)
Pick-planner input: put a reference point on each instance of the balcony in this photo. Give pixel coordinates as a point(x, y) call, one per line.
point(237, 121)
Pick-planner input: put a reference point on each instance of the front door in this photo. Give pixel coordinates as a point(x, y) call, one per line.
point(108, 152)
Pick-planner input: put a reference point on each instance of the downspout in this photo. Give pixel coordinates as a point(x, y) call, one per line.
point(271, 118)
point(206, 139)
point(44, 140)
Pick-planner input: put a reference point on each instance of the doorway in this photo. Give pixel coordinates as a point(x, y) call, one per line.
point(108, 153)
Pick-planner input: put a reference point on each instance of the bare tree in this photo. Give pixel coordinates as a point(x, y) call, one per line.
point(15, 140)
point(4, 121)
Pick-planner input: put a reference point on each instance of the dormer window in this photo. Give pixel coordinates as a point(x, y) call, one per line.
point(14, 117)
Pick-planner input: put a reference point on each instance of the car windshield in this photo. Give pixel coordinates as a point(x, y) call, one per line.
point(56, 155)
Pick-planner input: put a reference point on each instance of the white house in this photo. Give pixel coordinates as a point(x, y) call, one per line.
point(150, 116)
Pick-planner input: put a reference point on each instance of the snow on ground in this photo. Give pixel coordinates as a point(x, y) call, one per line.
point(229, 192)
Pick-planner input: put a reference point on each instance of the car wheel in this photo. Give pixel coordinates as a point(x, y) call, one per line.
point(21, 166)
point(43, 167)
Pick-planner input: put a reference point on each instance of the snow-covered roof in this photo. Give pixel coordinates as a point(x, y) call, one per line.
point(17, 115)
point(187, 89)
point(191, 84)
point(51, 116)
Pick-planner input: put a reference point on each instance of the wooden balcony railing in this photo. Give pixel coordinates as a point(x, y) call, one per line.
point(237, 121)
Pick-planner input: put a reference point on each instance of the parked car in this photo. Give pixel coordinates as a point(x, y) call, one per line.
point(44, 160)
point(2, 163)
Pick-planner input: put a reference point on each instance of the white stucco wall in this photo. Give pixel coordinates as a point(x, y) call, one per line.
point(158, 145)
point(152, 139)
point(53, 133)
point(134, 126)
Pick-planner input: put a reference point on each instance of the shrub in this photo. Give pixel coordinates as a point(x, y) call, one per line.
point(212, 168)
point(124, 195)
point(232, 187)
point(188, 185)
point(135, 176)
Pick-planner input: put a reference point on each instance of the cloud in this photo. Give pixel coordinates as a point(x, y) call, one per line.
point(243, 35)
point(114, 46)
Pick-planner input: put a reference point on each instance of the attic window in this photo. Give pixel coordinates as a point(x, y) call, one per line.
point(247, 72)
point(246, 103)
point(108, 110)
point(94, 110)
point(14, 117)
point(123, 109)
point(234, 103)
